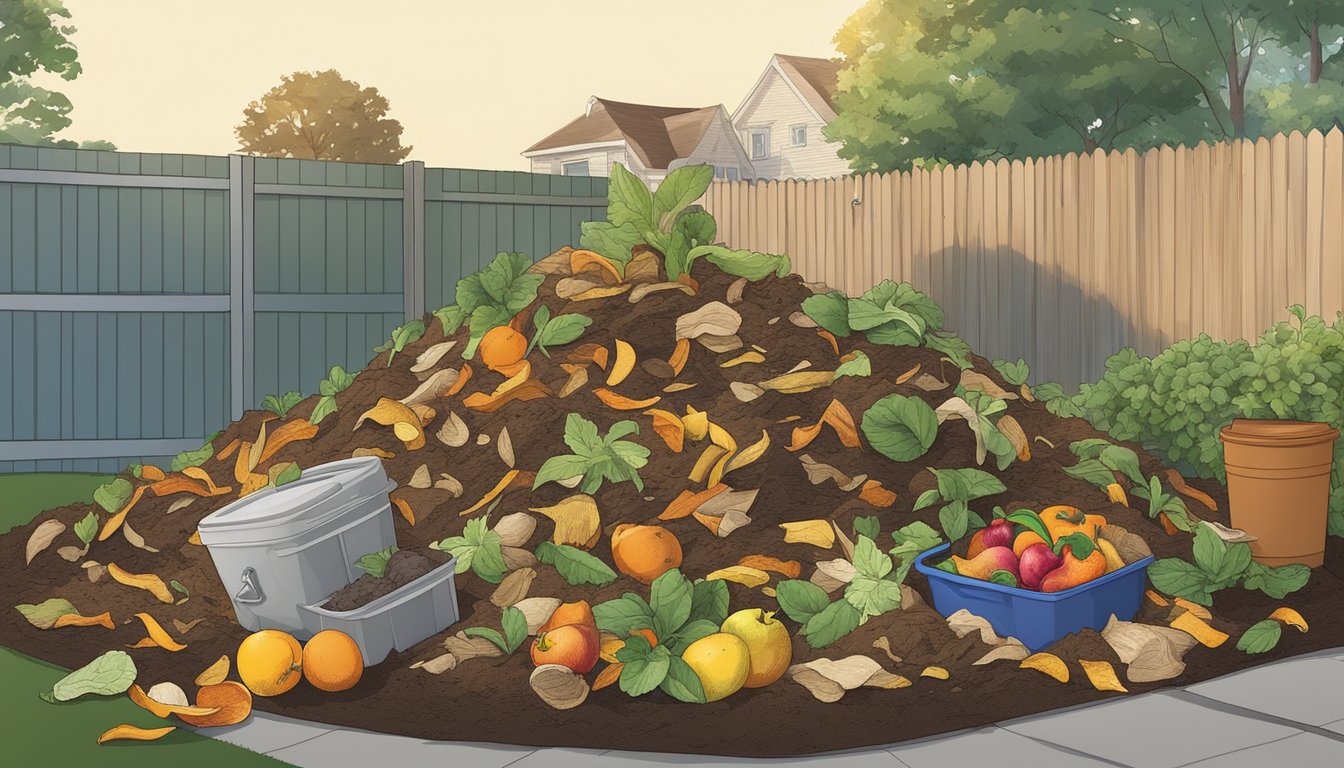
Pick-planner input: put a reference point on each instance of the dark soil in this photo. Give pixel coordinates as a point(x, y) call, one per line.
point(403, 567)
point(490, 700)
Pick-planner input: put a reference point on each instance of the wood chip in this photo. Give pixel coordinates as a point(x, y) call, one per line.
point(504, 445)
point(734, 294)
point(454, 432)
point(420, 478)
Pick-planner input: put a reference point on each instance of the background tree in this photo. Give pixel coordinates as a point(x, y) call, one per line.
point(322, 116)
point(34, 38)
point(928, 79)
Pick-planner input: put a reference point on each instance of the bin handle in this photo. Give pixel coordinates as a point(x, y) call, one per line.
point(251, 592)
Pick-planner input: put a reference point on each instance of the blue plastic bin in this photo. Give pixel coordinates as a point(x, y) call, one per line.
point(1037, 618)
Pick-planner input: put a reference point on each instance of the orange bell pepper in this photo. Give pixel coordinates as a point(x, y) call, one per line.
point(1060, 520)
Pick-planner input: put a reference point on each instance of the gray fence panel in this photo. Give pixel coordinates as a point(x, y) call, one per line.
point(146, 299)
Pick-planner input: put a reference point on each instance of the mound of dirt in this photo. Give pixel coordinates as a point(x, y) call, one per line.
point(466, 456)
point(403, 567)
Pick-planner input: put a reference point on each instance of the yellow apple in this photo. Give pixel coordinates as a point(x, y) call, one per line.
point(767, 641)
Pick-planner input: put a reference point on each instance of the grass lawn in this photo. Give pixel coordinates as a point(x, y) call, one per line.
point(38, 733)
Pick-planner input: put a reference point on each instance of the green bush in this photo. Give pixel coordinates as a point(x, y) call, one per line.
point(1176, 402)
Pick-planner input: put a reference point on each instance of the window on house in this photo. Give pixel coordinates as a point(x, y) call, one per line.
point(760, 143)
point(577, 168)
point(725, 172)
point(731, 174)
point(798, 135)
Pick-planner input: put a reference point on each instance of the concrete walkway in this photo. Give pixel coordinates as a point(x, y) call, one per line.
point(1290, 713)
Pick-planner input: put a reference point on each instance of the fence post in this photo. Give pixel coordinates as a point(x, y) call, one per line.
point(242, 204)
point(413, 239)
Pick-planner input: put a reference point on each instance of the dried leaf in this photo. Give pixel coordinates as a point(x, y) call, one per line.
point(1179, 484)
point(887, 680)
point(513, 588)
point(389, 412)
point(688, 502)
point(818, 473)
point(696, 423)
point(751, 356)
point(578, 378)
point(42, 537)
point(838, 417)
point(180, 504)
point(801, 320)
point(621, 402)
point(215, 673)
point(818, 533)
point(745, 392)
point(135, 733)
point(94, 571)
point(680, 354)
point(963, 623)
point(589, 352)
point(646, 289)
point(1195, 608)
point(432, 388)
point(1102, 676)
point(846, 545)
point(1290, 617)
point(883, 644)
point(420, 478)
point(740, 574)
point(558, 686)
point(831, 575)
point(504, 445)
point(821, 687)
point(515, 529)
point(795, 383)
point(444, 662)
point(1199, 629)
point(376, 452)
point(158, 634)
point(679, 386)
point(788, 568)
point(537, 611)
point(930, 383)
point(1230, 535)
point(294, 430)
point(454, 432)
point(183, 627)
point(849, 673)
point(1011, 651)
point(1012, 430)
point(467, 648)
point(980, 382)
point(669, 427)
point(431, 357)
point(604, 292)
point(577, 521)
point(715, 318)
point(135, 539)
point(70, 553)
point(937, 673)
point(875, 494)
point(146, 581)
point(1047, 663)
point(609, 675)
point(908, 375)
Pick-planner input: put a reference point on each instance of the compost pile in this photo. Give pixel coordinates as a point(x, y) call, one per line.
point(761, 463)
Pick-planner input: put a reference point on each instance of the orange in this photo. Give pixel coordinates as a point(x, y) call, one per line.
point(570, 613)
point(233, 700)
point(270, 662)
point(502, 347)
point(644, 552)
point(332, 661)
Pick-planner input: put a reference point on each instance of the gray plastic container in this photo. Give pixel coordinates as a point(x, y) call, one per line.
point(397, 620)
point(282, 548)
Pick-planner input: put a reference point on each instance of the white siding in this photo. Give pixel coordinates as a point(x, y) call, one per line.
point(775, 105)
point(599, 160)
point(720, 148)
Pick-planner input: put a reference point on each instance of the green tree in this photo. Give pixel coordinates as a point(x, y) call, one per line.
point(322, 116)
point(1300, 25)
point(34, 38)
point(932, 80)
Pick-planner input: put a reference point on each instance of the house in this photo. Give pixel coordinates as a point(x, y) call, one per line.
point(649, 141)
point(780, 121)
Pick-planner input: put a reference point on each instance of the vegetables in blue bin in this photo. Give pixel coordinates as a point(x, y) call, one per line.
point(998, 534)
point(1036, 562)
point(1074, 571)
point(986, 563)
point(1060, 521)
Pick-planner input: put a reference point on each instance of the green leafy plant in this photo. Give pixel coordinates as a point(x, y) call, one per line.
point(596, 458)
point(375, 563)
point(911, 541)
point(823, 621)
point(900, 428)
point(1098, 462)
point(109, 674)
point(574, 565)
point(678, 612)
point(1219, 564)
point(1014, 373)
point(402, 335)
point(337, 381)
point(895, 314)
point(478, 549)
point(514, 625)
point(874, 589)
point(1260, 637)
point(280, 405)
point(858, 365)
point(112, 496)
point(87, 528)
point(741, 263)
point(191, 458)
point(663, 219)
point(981, 412)
point(957, 488)
point(555, 331)
point(490, 298)
point(867, 525)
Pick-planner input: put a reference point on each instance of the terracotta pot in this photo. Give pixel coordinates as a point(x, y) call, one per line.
point(1278, 486)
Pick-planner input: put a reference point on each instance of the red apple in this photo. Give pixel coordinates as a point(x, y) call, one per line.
point(573, 645)
point(998, 534)
point(1037, 560)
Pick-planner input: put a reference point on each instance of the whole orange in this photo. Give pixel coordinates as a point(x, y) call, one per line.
point(644, 552)
point(270, 662)
point(502, 347)
point(332, 661)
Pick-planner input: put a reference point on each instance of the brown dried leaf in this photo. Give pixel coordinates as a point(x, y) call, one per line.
point(831, 575)
point(1012, 430)
point(578, 378)
point(849, 673)
point(41, 538)
point(504, 445)
point(577, 521)
point(647, 289)
point(444, 662)
point(978, 381)
point(513, 587)
point(821, 687)
point(433, 388)
point(558, 686)
point(719, 344)
point(883, 644)
point(183, 627)
point(94, 571)
point(745, 392)
point(420, 478)
point(569, 287)
point(908, 375)
point(930, 383)
point(135, 539)
point(1009, 651)
point(657, 368)
point(801, 320)
point(537, 611)
point(430, 358)
point(600, 293)
point(735, 289)
point(180, 504)
point(70, 554)
point(514, 530)
point(643, 267)
point(378, 452)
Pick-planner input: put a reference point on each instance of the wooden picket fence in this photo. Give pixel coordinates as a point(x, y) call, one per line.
point(1065, 260)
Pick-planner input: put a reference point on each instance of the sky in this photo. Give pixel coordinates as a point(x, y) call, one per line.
point(473, 83)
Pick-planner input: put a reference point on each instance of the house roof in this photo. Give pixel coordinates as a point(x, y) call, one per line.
point(657, 135)
point(814, 79)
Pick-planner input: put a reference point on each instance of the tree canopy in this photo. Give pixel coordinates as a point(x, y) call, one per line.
point(929, 80)
point(322, 116)
point(34, 37)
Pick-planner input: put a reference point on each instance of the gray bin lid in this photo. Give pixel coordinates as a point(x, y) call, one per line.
point(321, 493)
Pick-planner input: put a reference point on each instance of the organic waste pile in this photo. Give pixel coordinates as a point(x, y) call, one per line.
point(686, 490)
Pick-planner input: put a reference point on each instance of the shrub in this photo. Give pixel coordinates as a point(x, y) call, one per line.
point(1176, 402)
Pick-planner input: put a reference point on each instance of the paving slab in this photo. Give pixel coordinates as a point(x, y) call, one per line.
point(1302, 690)
point(1337, 727)
point(559, 757)
point(1304, 749)
point(989, 746)
point(1152, 730)
point(351, 747)
point(874, 758)
point(264, 732)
